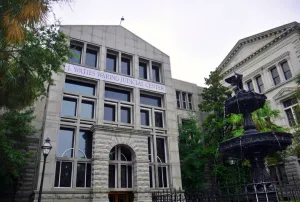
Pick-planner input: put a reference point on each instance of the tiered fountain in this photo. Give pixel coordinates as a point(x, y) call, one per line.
point(253, 145)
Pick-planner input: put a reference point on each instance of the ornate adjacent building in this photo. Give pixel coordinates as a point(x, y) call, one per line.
point(270, 62)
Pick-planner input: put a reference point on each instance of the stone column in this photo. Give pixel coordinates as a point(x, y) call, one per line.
point(142, 183)
point(100, 168)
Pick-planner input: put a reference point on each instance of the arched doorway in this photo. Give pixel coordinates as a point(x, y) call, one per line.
point(120, 175)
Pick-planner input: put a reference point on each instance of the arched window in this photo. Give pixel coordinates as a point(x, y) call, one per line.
point(120, 167)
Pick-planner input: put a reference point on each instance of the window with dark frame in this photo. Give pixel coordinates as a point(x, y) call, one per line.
point(184, 100)
point(87, 109)
point(158, 117)
point(289, 107)
point(250, 85)
point(69, 106)
point(125, 114)
point(260, 84)
point(111, 62)
point(65, 143)
point(91, 57)
point(275, 75)
point(76, 51)
point(143, 73)
point(125, 65)
point(286, 70)
point(155, 73)
point(117, 94)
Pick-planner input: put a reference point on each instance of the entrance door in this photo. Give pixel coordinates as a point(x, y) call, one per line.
point(120, 197)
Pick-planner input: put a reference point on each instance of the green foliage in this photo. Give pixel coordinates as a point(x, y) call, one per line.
point(27, 68)
point(14, 130)
point(192, 154)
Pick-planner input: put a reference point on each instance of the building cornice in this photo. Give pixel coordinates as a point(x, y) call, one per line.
point(262, 49)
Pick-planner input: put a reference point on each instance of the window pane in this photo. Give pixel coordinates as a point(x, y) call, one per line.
point(143, 70)
point(160, 144)
point(155, 74)
point(116, 94)
point(190, 101)
point(184, 100)
point(125, 66)
point(290, 117)
point(125, 153)
point(109, 112)
point(129, 176)
point(111, 63)
point(125, 115)
point(80, 180)
point(250, 86)
point(91, 57)
point(165, 181)
point(57, 172)
point(145, 117)
point(290, 102)
point(80, 87)
point(160, 177)
point(286, 70)
point(149, 149)
point(275, 75)
point(65, 143)
point(69, 106)
point(158, 119)
point(260, 84)
point(150, 100)
point(66, 174)
point(76, 54)
point(178, 98)
point(85, 144)
point(112, 176)
point(88, 175)
point(123, 176)
point(150, 176)
point(87, 109)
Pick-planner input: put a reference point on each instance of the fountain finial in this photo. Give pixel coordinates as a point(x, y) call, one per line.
point(236, 80)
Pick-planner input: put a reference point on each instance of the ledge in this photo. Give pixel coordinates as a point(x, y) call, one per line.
point(119, 130)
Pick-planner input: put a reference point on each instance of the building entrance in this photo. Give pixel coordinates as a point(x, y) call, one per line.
point(120, 196)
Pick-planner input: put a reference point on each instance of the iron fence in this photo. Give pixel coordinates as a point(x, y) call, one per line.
point(252, 192)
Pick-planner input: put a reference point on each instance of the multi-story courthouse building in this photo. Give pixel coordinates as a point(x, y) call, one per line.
point(270, 62)
point(112, 117)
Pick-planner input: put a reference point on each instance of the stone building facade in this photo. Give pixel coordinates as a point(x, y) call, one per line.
point(112, 117)
point(269, 62)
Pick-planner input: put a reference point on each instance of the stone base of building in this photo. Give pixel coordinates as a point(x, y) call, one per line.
point(87, 196)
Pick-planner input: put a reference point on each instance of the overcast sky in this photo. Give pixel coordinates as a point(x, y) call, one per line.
point(196, 34)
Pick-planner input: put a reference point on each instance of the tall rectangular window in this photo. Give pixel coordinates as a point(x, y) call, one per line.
point(87, 109)
point(79, 87)
point(178, 98)
point(65, 143)
point(286, 70)
point(91, 57)
point(158, 117)
point(125, 66)
point(145, 117)
point(161, 150)
point(76, 51)
point(162, 176)
point(63, 174)
point(184, 100)
point(111, 62)
point(84, 176)
point(150, 100)
point(109, 112)
point(155, 73)
point(143, 73)
point(85, 144)
point(250, 86)
point(125, 114)
point(275, 76)
point(289, 107)
point(260, 84)
point(117, 94)
point(190, 101)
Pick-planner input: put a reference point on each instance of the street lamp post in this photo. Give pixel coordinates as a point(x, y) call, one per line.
point(46, 150)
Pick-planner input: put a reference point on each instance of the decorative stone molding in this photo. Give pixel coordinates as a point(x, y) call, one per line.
point(284, 92)
point(261, 50)
point(119, 129)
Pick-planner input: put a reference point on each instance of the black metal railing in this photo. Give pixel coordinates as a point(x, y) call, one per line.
point(252, 192)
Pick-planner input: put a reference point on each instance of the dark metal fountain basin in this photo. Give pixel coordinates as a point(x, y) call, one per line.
point(265, 143)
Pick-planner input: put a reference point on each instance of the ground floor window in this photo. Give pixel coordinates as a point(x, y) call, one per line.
point(120, 171)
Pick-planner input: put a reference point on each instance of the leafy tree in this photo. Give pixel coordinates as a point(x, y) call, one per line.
point(14, 130)
point(17, 15)
point(28, 68)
